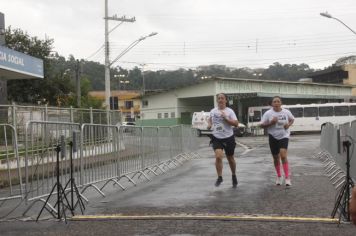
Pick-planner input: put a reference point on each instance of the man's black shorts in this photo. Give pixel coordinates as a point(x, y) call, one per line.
point(275, 144)
point(227, 144)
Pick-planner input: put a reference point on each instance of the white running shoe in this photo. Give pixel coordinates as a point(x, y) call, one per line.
point(288, 183)
point(278, 180)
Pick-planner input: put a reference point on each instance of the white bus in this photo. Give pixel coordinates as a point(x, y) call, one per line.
point(308, 117)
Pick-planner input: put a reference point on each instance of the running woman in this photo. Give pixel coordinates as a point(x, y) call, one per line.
point(222, 119)
point(277, 120)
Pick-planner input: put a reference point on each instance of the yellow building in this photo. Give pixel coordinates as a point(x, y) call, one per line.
point(128, 102)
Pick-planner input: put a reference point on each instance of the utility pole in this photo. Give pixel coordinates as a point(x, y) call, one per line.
point(143, 79)
point(78, 71)
point(2, 29)
point(107, 51)
point(3, 81)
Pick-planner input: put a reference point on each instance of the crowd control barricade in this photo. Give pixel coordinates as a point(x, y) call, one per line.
point(165, 143)
point(352, 134)
point(100, 147)
point(149, 149)
point(338, 150)
point(10, 164)
point(189, 141)
point(131, 156)
point(101, 154)
point(41, 141)
point(337, 143)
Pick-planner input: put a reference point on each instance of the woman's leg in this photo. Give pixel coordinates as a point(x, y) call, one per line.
point(218, 161)
point(277, 164)
point(232, 164)
point(283, 154)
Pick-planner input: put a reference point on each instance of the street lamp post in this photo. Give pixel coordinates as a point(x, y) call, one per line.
point(326, 14)
point(132, 45)
point(143, 79)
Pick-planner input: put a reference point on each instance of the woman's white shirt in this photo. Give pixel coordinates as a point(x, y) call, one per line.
point(221, 129)
point(277, 130)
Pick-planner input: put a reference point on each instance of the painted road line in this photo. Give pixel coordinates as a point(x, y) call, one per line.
point(206, 217)
point(247, 148)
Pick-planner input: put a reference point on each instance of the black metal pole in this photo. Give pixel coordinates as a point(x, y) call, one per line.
point(58, 149)
point(71, 173)
point(347, 145)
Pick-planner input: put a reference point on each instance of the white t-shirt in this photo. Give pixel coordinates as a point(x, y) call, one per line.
point(284, 117)
point(221, 129)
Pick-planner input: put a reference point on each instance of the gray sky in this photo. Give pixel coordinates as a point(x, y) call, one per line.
point(236, 33)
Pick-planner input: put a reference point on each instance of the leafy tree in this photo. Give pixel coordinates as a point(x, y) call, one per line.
point(49, 89)
point(345, 60)
point(287, 72)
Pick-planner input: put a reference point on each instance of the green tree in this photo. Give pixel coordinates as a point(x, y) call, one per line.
point(345, 60)
point(50, 89)
point(287, 72)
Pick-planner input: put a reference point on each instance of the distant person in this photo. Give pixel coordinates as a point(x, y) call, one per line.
point(353, 205)
point(277, 120)
point(221, 121)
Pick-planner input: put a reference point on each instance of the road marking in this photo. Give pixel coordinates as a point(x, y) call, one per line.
point(206, 217)
point(247, 148)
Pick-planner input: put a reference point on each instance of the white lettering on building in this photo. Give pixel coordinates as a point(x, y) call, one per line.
point(16, 60)
point(11, 58)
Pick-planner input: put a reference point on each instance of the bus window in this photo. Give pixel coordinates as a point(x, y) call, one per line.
point(297, 111)
point(353, 110)
point(256, 116)
point(310, 111)
point(341, 111)
point(326, 111)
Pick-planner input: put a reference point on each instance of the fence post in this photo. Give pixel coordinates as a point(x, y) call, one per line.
point(91, 115)
point(157, 145)
point(14, 122)
point(71, 114)
point(142, 149)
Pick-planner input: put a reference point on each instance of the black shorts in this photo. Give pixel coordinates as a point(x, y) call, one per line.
point(275, 144)
point(227, 144)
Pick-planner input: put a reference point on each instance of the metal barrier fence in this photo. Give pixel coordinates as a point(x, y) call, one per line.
point(332, 136)
point(100, 154)
point(41, 141)
point(18, 116)
point(337, 143)
point(10, 167)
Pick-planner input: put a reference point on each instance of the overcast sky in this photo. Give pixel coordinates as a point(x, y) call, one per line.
point(236, 33)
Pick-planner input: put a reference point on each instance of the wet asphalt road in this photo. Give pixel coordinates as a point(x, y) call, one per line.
point(189, 191)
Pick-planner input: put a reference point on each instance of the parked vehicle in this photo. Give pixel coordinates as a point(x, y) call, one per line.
point(128, 126)
point(308, 117)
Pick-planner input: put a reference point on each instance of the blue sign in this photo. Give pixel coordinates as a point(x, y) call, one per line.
point(21, 63)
